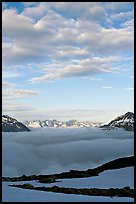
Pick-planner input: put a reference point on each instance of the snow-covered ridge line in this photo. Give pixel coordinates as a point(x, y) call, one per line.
point(125, 121)
point(60, 124)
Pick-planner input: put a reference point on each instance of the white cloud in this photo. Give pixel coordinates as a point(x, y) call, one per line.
point(123, 15)
point(10, 74)
point(55, 36)
point(96, 13)
point(21, 93)
point(129, 89)
point(79, 68)
point(17, 29)
point(10, 92)
point(128, 24)
point(56, 150)
point(126, 89)
point(22, 33)
point(69, 51)
point(108, 41)
point(12, 108)
point(92, 10)
point(119, 6)
point(38, 10)
point(131, 77)
point(95, 79)
point(107, 87)
point(8, 85)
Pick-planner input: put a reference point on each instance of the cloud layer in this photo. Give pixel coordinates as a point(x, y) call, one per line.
point(11, 92)
point(55, 150)
point(55, 37)
point(79, 68)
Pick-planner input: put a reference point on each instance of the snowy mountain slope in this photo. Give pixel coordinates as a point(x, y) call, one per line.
point(10, 124)
point(56, 123)
point(125, 121)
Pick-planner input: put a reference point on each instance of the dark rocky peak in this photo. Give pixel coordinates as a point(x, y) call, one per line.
point(10, 124)
point(125, 121)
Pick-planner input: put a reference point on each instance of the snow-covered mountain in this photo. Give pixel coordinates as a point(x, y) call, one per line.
point(10, 124)
point(125, 121)
point(59, 124)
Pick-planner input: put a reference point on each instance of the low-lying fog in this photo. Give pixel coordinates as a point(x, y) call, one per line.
point(52, 150)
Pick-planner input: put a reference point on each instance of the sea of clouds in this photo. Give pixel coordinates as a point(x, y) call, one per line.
point(53, 150)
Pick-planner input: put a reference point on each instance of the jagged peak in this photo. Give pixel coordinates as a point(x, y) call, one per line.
point(126, 115)
point(10, 124)
point(125, 121)
point(8, 118)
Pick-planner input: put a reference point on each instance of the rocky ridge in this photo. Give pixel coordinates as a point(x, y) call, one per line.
point(125, 121)
point(10, 124)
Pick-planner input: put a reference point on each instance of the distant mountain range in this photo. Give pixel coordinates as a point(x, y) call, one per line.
point(125, 121)
point(60, 124)
point(10, 124)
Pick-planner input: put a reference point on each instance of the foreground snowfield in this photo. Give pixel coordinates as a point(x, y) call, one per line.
point(109, 179)
point(23, 195)
point(51, 150)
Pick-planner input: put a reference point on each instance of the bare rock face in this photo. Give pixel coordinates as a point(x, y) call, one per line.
point(125, 121)
point(10, 124)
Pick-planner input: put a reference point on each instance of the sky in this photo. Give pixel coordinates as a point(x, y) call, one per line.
point(67, 60)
